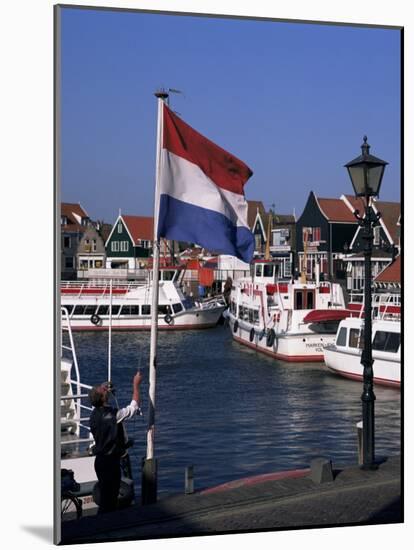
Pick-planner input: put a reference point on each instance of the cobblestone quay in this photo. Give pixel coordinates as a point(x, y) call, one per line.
point(353, 497)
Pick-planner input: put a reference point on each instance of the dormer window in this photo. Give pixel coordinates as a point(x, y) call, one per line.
point(63, 220)
point(85, 222)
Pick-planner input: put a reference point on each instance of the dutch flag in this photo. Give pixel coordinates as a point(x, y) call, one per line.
point(201, 197)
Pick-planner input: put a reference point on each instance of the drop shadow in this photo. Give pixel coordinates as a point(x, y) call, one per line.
point(43, 532)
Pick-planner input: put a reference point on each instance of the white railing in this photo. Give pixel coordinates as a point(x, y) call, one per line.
point(74, 381)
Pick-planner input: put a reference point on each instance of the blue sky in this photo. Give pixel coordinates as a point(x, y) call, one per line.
point(291, 100)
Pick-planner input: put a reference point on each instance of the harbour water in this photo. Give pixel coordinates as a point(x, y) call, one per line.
point(231, 412)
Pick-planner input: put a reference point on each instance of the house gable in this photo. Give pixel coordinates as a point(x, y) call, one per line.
point(120, 243)
point(312, 217)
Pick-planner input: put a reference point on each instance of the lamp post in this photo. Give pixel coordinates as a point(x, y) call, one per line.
point(366, 172)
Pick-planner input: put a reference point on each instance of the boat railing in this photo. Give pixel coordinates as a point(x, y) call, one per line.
point(77, 393)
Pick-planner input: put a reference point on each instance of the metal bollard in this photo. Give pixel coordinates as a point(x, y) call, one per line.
point(189, 480)
point(359, 427)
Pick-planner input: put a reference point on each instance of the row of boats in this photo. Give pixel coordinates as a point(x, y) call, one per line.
point(295, 321)
point(287, 320)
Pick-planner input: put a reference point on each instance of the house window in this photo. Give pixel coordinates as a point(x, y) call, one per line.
point(63, 220)
point(119, 227)
point(69, 262)
point(258, 242)
point(124, 246)
point(115, 246)
point(287, 268)
point(93, 245)
point(66, 242)
point(377, 230)
point(280, 237)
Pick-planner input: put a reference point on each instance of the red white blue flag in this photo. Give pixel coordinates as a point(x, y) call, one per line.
point(201, 191)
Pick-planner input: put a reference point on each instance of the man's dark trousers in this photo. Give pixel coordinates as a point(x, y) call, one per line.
point(108, 471)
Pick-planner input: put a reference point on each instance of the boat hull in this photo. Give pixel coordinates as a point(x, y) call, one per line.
point(296, 348)
point(387, 372)
point(189, 320)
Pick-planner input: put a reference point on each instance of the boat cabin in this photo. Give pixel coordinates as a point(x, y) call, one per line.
point(386, 336)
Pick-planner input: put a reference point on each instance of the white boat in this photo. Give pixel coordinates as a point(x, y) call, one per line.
point(344, 355)
point(287, 320)
point(128, 305)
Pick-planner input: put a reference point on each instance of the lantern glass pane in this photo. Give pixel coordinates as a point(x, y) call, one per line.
point(374, 179)
point(357, 177)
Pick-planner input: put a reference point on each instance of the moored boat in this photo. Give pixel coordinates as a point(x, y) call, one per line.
point(127, 306)
point(343, 357)
point(287, 320)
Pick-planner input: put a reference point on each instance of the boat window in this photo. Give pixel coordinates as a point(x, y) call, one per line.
point(103, 310)
point(341, 338)
point(309, 299)
point(115, 310)
point(356, 340)
point(298, 300)
point(166, 275)
point(386, 341)
point(250, 316)
point(130, 310)
point(256, 316)
point(69, 308)
point(146, 310)
point(89, 310)
point(164, 309)
point(268, 270)
point(79, 310)
point(177, 308)
point(259, 270)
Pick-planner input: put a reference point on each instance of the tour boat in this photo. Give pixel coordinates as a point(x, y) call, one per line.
point(344, 356)
point(127, 306)
point(287, 320)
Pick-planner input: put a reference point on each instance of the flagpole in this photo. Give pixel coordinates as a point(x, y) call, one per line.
point(149, 471)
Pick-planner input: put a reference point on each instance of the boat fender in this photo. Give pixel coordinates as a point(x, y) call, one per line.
point(262, 335)
point(95, 319)
point(236, 326)
point(168, 319)
point(251, 335)
point(270, 338)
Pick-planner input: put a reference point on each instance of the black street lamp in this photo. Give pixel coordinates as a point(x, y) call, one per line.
point(366, 172)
